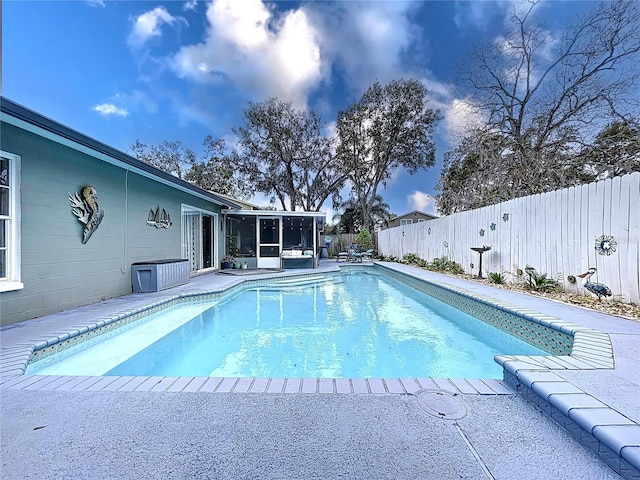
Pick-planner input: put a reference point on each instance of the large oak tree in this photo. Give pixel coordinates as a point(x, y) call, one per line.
point(390, 127)
point(283, 153)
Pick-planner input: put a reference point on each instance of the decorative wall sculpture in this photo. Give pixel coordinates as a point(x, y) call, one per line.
point(84, 205)
point(606, 245)
point(159, 219)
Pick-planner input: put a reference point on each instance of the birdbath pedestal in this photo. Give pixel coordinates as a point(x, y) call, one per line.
point(480, 250)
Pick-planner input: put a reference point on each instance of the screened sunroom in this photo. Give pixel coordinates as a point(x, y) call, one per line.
point(262, 238)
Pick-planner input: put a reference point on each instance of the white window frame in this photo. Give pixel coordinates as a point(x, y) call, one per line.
point(13, 280)
point(406, 221)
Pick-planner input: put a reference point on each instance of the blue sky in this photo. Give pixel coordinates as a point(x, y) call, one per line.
point(181, 70)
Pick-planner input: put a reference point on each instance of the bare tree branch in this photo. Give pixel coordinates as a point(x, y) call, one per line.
point(545, 95)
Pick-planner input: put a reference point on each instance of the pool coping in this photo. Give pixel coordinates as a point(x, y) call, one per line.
point(610, 434)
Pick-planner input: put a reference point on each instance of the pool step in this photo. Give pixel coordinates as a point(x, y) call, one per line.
point(294, 282)
point(614, 437)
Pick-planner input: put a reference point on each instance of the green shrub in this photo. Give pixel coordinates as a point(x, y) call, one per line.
point(364, 239)
point(539, 281)
point(443, 264)
point(411, 259)
point(496, 277)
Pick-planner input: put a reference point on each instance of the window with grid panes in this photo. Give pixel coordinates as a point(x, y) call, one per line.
point(9, 222)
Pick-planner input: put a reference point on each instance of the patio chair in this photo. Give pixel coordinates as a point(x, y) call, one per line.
point(342, 257)
point(355, 253)
point(368, 255)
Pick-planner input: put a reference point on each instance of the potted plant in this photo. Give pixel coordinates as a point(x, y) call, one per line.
point(227, 262)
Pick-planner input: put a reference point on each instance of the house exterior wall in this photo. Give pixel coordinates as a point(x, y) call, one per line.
point(415, 216)
point(57, 270)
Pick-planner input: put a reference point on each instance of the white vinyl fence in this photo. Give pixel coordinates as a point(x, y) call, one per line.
point(560, 233)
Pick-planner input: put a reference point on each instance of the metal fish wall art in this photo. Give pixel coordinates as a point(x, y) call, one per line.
point(84, 205)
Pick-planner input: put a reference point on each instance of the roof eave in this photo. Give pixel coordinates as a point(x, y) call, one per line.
point(40, 124)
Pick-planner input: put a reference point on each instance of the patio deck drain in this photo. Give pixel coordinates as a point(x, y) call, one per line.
point(441, 404)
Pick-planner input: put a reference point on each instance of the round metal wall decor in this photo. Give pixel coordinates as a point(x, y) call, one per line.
point(482, 232)
point(492, 226)
point(606, 245)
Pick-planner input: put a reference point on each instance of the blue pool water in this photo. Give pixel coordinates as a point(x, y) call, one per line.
point(356, 325)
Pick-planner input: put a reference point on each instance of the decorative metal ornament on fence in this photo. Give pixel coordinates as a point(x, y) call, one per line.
point(492, 226)
point(482, 232)
point(505, 217)
point(606, 245)
point(85, 207)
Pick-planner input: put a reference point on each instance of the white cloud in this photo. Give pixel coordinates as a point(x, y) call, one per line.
point(190, 5)
point(421, 201)
point(460, 115)
point(109, 109)
point(474, 14)
point(367, 41)
point(460, 118)
point(265, 52)
point(136, 100)
point(96, 3)
point(148, 25)
point(262, 53)
point(478, 14)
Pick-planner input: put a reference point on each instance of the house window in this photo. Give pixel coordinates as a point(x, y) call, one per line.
point(420, 220)
point(406, 221)
point(9, 222)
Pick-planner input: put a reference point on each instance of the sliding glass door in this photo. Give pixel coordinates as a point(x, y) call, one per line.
point(199, 239)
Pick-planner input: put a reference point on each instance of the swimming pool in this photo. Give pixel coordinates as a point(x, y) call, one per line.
point(348, 325)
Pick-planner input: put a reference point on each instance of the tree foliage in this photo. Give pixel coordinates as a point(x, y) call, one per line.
point(215, 172)
point(283, 153)
point(212, 172)
point(542, 99)
point(351, 218)
point(390, 127)
point(171, 157)
point(615, 152)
